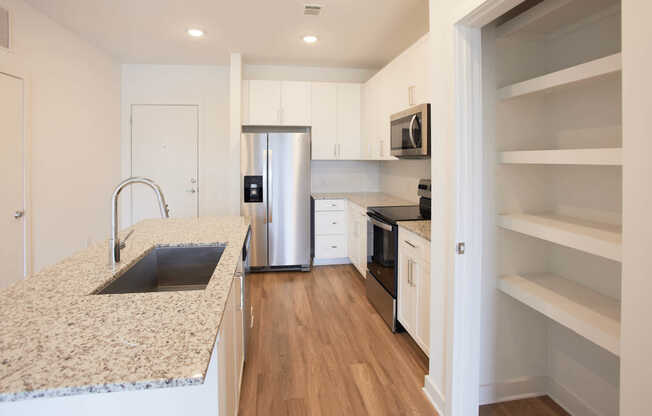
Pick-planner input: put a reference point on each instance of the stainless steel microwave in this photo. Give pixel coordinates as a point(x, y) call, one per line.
point(410, 133)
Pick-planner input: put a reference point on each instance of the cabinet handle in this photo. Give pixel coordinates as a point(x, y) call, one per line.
point(334, 223)
point(335, 151)
point(410, 244)
point(409, 272)
point(333, 246)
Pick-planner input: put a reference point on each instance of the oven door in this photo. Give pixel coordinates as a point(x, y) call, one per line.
point(381, 263)
point(409, 135)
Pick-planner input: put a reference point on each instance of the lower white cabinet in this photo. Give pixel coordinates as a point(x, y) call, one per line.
point(413, 295)
point(357, 237)
point(330, 230)
point(230, 352)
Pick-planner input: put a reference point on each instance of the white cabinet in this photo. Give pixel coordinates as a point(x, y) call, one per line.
point(413, 295)
point(324, 121)
point(295, 103)
point(330, 231)
point(357, 237)
point(275, 103)
point(401, 84)
point(264, 102)
point(230, 352)
point(348, 121)
point(336, 121)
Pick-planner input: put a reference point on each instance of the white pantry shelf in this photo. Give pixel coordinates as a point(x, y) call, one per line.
point(583, 72)
point(604, 157)
point(602, 240)
point(590, 314)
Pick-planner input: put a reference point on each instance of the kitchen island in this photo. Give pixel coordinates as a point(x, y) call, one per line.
point(60, 341)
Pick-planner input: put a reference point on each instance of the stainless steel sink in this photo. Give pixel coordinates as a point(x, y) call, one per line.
point(168, 269)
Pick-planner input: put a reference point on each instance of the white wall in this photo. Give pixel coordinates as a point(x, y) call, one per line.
point(75, 133)
point(207, 87)
point(401, 177)
point(636, 337)
point(345, 176)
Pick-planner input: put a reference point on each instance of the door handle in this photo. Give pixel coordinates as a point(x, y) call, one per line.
point(270, 187)
point(191, 190)
point(414, 145)
point(19, 214)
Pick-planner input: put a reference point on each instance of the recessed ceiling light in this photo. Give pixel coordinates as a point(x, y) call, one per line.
point(310, 39)
point(195, 33)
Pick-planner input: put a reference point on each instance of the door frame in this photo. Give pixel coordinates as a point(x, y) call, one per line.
point(464, 292)
point(131, 150)
point(10, 66)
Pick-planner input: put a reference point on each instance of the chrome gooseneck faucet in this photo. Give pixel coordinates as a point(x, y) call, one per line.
point(114, 242)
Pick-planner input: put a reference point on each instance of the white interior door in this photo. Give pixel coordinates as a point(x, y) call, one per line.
point(164, 140)
point(12, 180)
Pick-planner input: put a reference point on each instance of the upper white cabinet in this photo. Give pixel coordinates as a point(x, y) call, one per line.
point(324, 121)
point(276, 103)
point(348, 120)
point(264, 102)
point(295, 103)
point(401, 84)
point(335, 121)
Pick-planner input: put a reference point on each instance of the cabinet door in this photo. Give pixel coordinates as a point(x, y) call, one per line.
point(238, 336)
point(264, 102)
point(348, 121)
point(225, 357)
point(370, 110)
point(422, 278)
point(324, 121)
point(405, 296)
point(295, 103)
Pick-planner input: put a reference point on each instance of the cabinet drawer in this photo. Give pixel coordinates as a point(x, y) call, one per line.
point(418, 247)
point(330, 222)
point(330, 246)
point(330, 205)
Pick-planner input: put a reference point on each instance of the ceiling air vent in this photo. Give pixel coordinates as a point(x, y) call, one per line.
point(5, 29)
point(312, 9)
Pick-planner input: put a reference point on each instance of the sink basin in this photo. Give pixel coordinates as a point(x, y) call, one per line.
point(167, 269)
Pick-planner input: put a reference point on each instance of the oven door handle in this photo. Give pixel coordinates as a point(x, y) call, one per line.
point(379, 224)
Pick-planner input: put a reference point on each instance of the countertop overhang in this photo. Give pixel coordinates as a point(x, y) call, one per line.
point(59, 339)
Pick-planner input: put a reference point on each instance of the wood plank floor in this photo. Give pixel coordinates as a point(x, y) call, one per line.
point(536, 406)
point(319, 348)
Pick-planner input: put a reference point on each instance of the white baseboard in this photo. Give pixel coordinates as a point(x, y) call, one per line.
point(435, 396)
point(569, 401)
point(330, 262)
point(518, 388)
point(522, 388)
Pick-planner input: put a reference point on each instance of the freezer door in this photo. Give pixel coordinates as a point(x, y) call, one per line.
point(253, 163)
point(288, 213)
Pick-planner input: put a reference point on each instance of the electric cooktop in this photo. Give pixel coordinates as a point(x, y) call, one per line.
point(394, 214)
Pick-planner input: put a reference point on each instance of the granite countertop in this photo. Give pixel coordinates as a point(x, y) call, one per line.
point(420, 228)
point(58, 339)
point(366, 199)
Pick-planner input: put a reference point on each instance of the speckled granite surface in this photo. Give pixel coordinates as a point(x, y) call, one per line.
point(57, 339)
point(366, 199)
point(420, 228)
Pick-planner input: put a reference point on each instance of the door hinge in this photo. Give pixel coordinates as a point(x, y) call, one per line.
point(461, 248)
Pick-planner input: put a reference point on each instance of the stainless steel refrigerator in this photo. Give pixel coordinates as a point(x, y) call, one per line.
point(275, 195)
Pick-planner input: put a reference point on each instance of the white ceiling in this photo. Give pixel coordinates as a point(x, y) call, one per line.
point(352, 33)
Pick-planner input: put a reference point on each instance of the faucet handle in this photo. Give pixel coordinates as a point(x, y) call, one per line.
point(123, 243)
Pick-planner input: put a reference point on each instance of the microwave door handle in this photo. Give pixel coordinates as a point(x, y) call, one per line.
point(414, 145)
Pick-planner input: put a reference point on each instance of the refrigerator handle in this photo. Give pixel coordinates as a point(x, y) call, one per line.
point(270, 187)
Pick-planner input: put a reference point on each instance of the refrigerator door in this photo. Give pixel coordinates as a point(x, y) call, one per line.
point(253, 165)
point(288, 213)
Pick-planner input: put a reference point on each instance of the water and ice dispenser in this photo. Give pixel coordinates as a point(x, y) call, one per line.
point(253, 189)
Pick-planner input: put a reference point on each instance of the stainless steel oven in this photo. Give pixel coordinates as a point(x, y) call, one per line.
point(381, 280)
point(410, 133)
